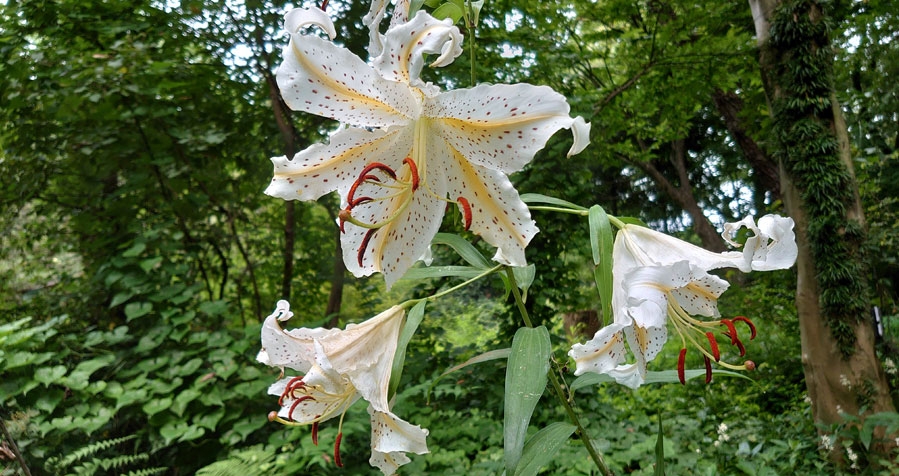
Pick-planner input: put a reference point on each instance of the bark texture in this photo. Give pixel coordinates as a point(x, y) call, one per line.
point(842, 372)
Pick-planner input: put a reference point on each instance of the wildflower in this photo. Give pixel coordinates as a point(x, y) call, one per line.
point(410, 150)
point(844, 381)
point(827, 442)
point(339, 367)
point(722, 432)
point(659, 279)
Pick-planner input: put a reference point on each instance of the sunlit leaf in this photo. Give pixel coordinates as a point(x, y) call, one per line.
point(525, 382)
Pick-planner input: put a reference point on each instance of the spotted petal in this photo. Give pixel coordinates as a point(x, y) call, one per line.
point(501, 126)
point(392, 438)
point(323, 168)
point(321, 78)
point(406, 44)
point(602, 353)
point(497, 212)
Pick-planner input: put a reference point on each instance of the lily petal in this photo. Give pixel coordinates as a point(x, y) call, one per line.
point(500, 126)
point(321, 78)
point(322, 168)
point(405, 46)
point(497, 212)
point(392, 438)
point(602, 353)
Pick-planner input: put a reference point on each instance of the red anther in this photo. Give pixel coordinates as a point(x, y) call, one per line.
point(750, 365)
point(337, 450)
point(376, 166)
point(466, 211)
point(681, 360)
point(742, 349)
point(324, 5)
point(731, 330)
point(714, 344)
point(359, 201)
point(364, 244)
point(408, 161)
point(708, 370)
point(315, 433)
point(294, 406)
point(290, 387)
point(748, 323)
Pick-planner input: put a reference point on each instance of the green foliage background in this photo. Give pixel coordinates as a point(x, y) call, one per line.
point(138, 254)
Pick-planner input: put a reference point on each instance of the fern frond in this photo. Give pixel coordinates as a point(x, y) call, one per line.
point(88, 450)
point(146, 472)
point(248, 462)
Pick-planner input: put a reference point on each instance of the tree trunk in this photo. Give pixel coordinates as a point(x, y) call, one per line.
point(820, 193)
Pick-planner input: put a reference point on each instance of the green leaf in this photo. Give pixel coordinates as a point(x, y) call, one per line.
point(465, 249)
point(542, 447)
point(157, 405)
point(538, 198)
point(413, 319)
point(664, 376)
point(134, 310)
point(48, 375)
point(524, 277)
point(601, 245)
point(120, 298)
point(448, 10)
point(135, 250)
point(148, 264)
point(525, 382)
point(426, 272)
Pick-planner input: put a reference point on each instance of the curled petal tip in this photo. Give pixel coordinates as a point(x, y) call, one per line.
point(302, 17)
point(580, 129)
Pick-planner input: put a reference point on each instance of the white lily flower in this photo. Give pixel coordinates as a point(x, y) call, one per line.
point(658, 278)
point(340, 367)
point(411, 149)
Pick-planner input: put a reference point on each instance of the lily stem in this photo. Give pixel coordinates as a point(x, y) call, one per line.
point(471, 29)
point(557, 386)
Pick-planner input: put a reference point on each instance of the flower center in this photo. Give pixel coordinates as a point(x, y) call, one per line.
point(381, 194)
point(698, 334)
point(313, 404)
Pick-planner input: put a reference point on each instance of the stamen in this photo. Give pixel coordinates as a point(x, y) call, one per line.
point(714, 344)
point(337, 450)
point(742, 349)
point(748, 323)
point(292, 384)
point(411, 163)
point(294, 406)
point(466, 211)
point(731, 331)
point(324, 5)
point(708, 370)
point(272, 416)
point(681, 360)
point(315, 432)
point(364, 244)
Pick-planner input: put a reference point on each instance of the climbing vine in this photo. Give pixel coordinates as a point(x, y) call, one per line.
point(808, 148)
